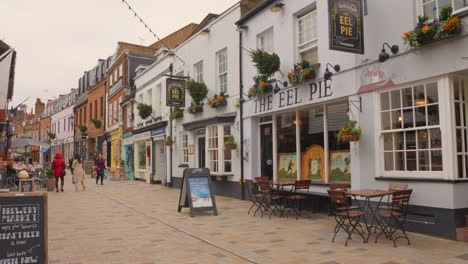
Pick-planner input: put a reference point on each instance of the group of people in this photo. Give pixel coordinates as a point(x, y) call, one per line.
point(77, 169)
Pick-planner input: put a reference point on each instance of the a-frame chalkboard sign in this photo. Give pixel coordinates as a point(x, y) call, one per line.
point(196, 191)
point(23, 228)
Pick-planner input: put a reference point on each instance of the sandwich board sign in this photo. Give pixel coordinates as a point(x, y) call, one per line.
point(23, 228)
point(197, 191)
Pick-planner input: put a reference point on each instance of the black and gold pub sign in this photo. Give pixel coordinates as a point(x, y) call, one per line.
point(175, 92)
point(346, 25)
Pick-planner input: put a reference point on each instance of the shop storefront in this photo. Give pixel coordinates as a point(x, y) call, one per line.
point(159, 155)
point(68, 149)
point(128, 155)
point(116, 148)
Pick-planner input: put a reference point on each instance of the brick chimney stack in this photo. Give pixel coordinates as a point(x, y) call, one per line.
point(39, 107)
point(247, 5)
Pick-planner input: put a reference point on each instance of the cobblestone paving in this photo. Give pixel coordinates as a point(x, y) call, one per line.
point(133, 222)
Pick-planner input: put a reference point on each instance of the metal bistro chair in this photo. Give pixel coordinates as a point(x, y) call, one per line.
point(347, 219)
point(394, 219)
point(255, 198)
point(270, 202)
point(296, 202)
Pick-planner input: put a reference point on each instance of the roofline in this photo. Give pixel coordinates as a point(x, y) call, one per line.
point(254, 12)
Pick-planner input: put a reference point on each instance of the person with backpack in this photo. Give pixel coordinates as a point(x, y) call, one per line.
point(59, 166)
point(78, 172)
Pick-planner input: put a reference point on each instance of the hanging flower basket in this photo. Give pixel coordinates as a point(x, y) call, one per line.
point(230, 143)
point(169, 141)
point(97, 123)
point(195, 108)
point(177, 112)
point(218, 100)
point(350, 131)
point(83, 129)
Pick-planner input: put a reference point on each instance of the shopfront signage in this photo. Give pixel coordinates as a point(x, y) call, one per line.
point(316, 91)
point(23, 228)
point(346, 25)
point(158, 131)
point(197, 191)
point(175, 92)
point(141, 136)
point(128, 140)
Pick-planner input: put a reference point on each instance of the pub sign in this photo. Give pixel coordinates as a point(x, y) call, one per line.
point(346, 25)
point(175, 92)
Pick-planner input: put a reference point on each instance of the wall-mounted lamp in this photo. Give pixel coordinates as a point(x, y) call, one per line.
point(328, 74)
point(242, 28)
point(383, 56)
point(277, 89)
point(277, 7)
point(205, 32)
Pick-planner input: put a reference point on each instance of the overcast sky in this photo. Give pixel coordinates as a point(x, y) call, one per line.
point(57, 40)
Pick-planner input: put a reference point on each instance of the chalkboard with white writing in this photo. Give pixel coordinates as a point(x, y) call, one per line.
point(23, 228)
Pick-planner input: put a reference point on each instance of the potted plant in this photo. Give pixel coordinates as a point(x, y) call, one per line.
point(198, 92)
point(230, 143)
point(350, 131)
point(97, 123)
point(302, 72)
point(267, 64)
point(144, 110)
point(426, 32)
point(83, 129)
point(177, 112)
point(218, 100)
point(50, 179)
point(169, 141)
point(51, 135)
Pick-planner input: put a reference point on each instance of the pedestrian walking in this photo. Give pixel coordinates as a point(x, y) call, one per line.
point(59, 166)
point(70, 164)
point(78, 172)
point(100, 168)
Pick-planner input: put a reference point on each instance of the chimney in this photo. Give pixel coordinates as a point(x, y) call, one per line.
point(39, 107)
point(247, 5)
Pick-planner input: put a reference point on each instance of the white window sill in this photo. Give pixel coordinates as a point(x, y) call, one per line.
point(416, 179)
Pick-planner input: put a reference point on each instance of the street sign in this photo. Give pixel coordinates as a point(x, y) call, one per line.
point(196, 191)
point(346, 25)
point(175, 92)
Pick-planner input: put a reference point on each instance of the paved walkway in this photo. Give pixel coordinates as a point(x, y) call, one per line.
point(133, 222)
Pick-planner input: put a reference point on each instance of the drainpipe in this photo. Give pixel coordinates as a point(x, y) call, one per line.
point(241, 121)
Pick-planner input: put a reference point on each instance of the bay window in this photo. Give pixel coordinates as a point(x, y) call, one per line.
point(213, 160)
point(219, 160)
point(460, 99)
point(227, 152)
point(184, 145)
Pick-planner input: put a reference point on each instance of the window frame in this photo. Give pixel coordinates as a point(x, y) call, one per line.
point(211, 149)
point(221, 87)
point(455, 127)
point(267, 35)
point(311, 44)
point(184, 157)
point(454, 12)
point(445, 125)
point(197, 73)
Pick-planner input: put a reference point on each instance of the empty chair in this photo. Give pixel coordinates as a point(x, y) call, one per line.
point(255, 198)
point(394, 218)
point(271, 202)
point(296, 201)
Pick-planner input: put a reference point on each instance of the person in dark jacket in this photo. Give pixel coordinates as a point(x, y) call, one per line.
point(100, 167)
point(59, 166)
point(70, 163)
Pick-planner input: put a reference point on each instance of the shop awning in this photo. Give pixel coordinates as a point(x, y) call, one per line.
point(225, 118)
point(23, 142)
point(45, 150)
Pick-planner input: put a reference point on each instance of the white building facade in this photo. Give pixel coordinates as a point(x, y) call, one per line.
point(62, 125)
point(411, 108)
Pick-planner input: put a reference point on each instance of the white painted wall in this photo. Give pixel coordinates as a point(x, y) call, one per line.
point(61, 116)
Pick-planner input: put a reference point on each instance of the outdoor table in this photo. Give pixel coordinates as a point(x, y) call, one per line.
point(281, 183)
point(367, 208)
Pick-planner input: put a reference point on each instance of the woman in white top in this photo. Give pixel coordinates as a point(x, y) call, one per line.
point(78, 172)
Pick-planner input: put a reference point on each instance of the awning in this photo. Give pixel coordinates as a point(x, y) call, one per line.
point(225, 118)
point(44, 150)
point(23, 142)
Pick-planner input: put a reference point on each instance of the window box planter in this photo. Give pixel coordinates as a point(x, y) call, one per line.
point(218, 100)
point(195, 108)
point(303, 72)
point(349, 137)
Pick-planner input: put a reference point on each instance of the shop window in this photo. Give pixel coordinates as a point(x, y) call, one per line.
point(185, 153)
point(213, 160)
point(265, 40)
point(410, 129)
point(141, 155)
point(198, 71)
point(339, 160)
point(221, 70)
point(307, 36)
point(227, 152)
point(431, 8)
point(461, 125)
point(312, 144)
point(286, 145)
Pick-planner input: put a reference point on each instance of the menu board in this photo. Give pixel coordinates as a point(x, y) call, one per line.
point(23, 228)
point(88, 166)
point(197, 192)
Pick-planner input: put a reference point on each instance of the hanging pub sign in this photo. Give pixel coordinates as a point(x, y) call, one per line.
point(175, 92)
point(346, 25)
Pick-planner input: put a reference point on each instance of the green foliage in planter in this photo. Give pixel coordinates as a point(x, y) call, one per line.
point(97, 123)
point(51, 135)
point(218, 100)
point(169, 141)
point(195, 108)
point(266, 63)
point(197, 90)
point(144, 110)
point(83, 129)
point(230, 143)
point(177, 112)
point(349, 127)
point(50, 173)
